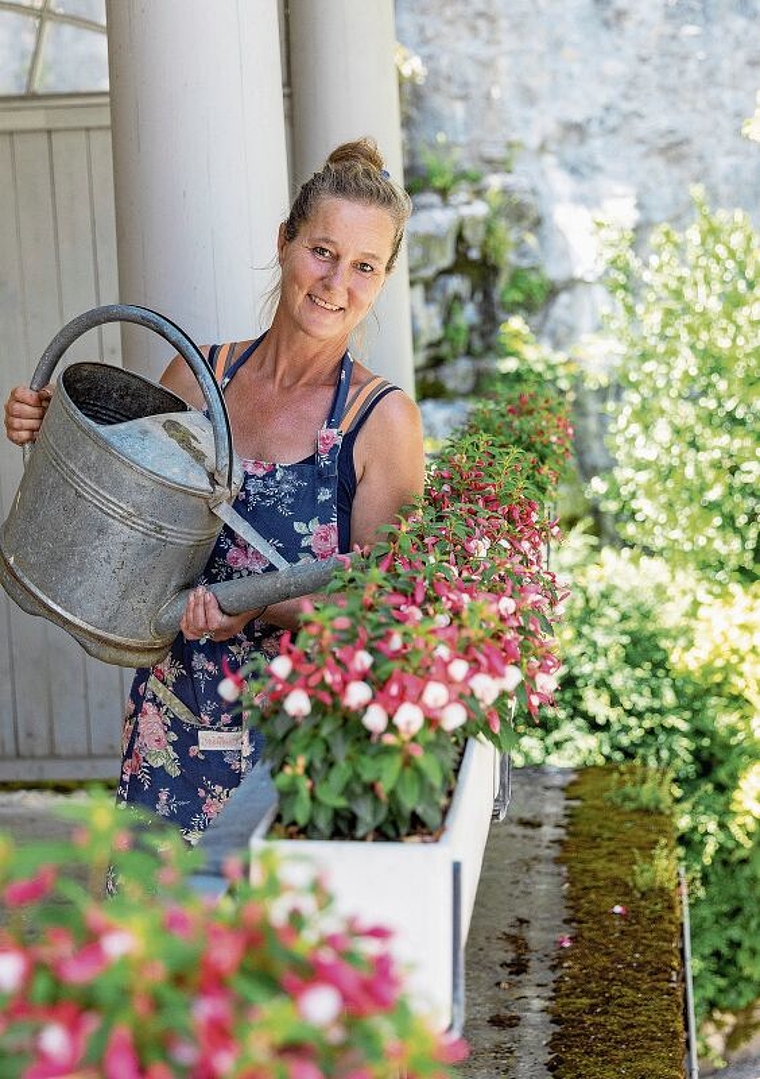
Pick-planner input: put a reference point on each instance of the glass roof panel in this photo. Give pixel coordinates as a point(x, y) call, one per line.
point(18, 35)
point(53, 47)
point(72, 59)
point(93, 10)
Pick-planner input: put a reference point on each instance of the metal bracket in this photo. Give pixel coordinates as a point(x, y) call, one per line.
point(504, 793)
point(457, 954)
point(691, 1063)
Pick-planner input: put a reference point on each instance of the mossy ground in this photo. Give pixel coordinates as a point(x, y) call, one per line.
point(618, 1002)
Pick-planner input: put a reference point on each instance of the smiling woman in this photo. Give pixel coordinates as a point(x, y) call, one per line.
point(330, 454)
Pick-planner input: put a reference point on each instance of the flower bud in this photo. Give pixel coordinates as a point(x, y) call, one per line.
point(281, 666)
point(511, 678)
point(362, 661)
point(458, 670)
point(435, 695)
point(453, 716)
point(545, 683)
point(320, 1004)
point(357, 694)
point(485, 688)
point(229, 690)
point(408, 718)
point(375, 719)
point(297, 703)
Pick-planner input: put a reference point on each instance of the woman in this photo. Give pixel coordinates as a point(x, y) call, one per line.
point(329, 452)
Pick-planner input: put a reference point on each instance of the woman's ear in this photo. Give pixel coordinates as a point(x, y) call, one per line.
point(282, 243)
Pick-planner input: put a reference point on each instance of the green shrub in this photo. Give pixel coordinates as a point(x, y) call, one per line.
point(685, 482)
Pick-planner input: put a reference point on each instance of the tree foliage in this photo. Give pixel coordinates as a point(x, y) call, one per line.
point(683, 433)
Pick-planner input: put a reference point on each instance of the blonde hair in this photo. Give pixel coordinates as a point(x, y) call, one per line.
point(355, 171)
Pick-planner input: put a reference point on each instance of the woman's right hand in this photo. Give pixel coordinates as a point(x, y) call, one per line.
point(24, 412)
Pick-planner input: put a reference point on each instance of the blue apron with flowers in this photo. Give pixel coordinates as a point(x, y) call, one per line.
point(184, 749)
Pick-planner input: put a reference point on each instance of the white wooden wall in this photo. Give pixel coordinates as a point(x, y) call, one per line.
point(60, 710)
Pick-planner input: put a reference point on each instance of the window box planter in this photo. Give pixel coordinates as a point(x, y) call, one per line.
point(423, 891)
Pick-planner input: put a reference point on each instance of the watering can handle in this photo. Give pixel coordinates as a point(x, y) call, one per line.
point(143, 316)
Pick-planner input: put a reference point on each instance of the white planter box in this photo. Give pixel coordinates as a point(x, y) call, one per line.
point(408, 887)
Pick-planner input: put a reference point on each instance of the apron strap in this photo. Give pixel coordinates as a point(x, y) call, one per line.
point(223, 360)
point(361, 401)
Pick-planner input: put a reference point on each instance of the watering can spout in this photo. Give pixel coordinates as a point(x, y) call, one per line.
point(254, 592)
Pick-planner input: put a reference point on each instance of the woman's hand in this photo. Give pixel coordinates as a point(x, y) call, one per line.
point(204, 618)
point(24, 412)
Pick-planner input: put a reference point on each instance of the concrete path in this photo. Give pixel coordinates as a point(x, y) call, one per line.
point(519, 914)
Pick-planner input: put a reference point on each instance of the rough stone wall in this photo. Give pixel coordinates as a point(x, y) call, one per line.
point(611, 107)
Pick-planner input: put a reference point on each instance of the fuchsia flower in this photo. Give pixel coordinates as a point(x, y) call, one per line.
point(31, 890)
point(14, 969)
point(375, 719)
point(120, 1060)
point(297, 704)
point(357, 694)
point(435, 695)
point(320, 1004)
point(281, 666)
point(408, 718)
point(232, 685)
point(453, 715)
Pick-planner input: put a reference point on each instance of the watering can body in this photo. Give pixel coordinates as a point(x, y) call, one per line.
point(118, 508)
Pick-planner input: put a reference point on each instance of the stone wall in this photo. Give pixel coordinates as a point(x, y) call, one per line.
point(603, 107)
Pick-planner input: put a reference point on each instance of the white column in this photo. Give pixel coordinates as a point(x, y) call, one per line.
point(200, 170)
point(344, 85)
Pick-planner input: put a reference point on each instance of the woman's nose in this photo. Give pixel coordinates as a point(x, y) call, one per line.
point(337, 273)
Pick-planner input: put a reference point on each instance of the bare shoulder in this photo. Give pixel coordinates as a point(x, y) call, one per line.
point(397, 410)
point(392, 439)
point(179, 378)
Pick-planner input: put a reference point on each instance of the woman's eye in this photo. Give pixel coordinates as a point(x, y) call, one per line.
point(322, 252)
point(365, 267)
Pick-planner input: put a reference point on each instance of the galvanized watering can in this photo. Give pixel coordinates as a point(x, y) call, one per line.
point(123, 496)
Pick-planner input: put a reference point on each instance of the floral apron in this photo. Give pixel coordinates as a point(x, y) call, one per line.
point(185, 751)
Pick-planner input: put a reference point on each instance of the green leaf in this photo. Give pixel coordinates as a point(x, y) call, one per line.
point(390, 769)
point(325, 794)
point(407, 788)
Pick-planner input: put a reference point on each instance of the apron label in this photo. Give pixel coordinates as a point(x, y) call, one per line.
point(225, 740)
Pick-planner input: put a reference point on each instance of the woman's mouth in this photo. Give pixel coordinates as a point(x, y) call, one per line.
point(324, 303)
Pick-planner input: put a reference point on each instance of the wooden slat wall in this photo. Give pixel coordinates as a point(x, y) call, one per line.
point(60, 710)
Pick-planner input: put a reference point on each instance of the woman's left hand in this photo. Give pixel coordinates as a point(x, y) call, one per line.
point(203, 618)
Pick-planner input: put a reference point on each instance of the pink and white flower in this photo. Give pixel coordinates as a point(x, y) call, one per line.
point(453, 716)
point(511, 678)
point(320, 1004)
point(14, 967)
point(281, 666)
point(357, 694)
point(297, 703)
point(458, 670)
point(435, 695)
point(484, 687)
point(362, 661)
point(375, 719)
point(409, 718)
point(545, 683)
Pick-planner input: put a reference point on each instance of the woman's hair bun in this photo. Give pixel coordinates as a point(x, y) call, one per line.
point(354, 171)
point(360, 151)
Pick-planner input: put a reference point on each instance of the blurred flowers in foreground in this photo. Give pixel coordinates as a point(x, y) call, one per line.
point(158, 982)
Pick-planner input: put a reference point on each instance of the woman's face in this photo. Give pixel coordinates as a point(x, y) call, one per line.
point(333, 270)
